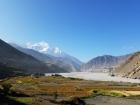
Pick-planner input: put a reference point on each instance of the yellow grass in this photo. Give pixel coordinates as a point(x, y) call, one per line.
point(69, 87)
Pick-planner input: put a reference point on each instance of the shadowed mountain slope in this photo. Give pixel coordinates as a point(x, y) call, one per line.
point(11, 57)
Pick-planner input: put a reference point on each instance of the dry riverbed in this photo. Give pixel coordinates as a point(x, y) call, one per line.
point(97, 77)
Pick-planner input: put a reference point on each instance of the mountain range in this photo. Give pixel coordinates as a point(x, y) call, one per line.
point(11, 57)
point(104, 63)
point(41, 58)
point(58, 58)
point(16, 61)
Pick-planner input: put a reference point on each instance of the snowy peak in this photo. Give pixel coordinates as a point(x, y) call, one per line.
point(45, 48)
point(57, 50)
point(60, 58)
point(41, 46)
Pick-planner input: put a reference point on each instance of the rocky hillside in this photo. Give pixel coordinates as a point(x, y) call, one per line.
point(131, 68)
point(104, 63)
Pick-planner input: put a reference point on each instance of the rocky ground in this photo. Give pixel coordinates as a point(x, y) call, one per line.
point(98, 100)
point(108, 100)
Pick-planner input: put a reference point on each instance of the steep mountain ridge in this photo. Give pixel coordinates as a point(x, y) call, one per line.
point(36, 54)
point(130, 68)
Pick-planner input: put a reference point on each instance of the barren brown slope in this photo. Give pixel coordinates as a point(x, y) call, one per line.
point(131, 68)
point(104, 63)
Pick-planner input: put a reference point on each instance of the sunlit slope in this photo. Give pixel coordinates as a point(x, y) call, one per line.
point(131, 68)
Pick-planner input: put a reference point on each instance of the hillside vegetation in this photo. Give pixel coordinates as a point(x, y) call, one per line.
point(56, 89)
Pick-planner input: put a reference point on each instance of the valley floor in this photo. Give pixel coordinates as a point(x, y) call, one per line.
point(59, 90)
point(97, 76)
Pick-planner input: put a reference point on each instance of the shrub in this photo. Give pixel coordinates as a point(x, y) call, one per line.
point(57, 75)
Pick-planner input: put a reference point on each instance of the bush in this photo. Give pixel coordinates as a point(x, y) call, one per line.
point(57, 75)
point(71, 78)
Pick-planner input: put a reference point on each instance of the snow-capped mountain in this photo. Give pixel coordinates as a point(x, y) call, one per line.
point(44, 47)
point(52, 55)
point(14, 61)
point(60, 56)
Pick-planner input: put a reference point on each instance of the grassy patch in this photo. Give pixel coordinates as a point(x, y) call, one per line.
point(67, 86)
point(25, 100)
point(106, 93)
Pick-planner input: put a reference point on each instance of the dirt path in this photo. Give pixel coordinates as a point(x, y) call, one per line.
point(127, 93)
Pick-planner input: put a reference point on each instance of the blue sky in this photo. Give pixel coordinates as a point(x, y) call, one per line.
point(82, 28)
